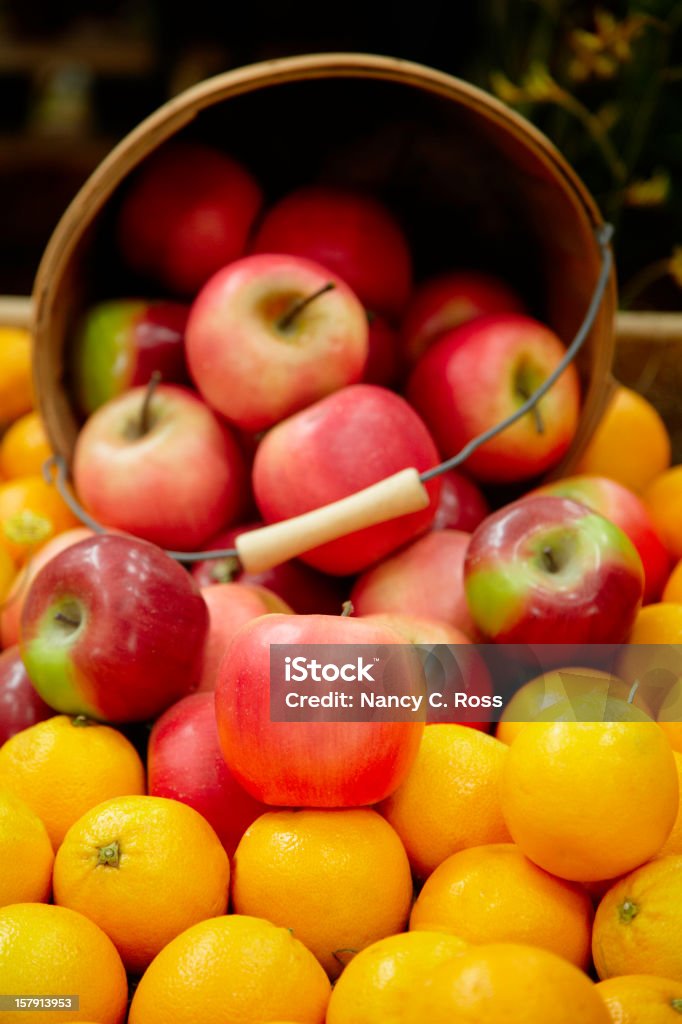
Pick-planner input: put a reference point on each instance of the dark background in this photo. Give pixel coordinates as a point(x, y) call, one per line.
point(76, 76)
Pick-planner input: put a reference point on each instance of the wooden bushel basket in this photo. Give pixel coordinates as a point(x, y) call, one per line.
point(473, 183)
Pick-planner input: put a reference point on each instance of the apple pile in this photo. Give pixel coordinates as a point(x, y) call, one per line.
point(285, 360)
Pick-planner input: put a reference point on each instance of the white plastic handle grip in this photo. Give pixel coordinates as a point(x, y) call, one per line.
point(15, 311)
point(395, 496)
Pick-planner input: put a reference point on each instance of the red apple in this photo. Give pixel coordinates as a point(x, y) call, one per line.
point(313, 762)
point(354, 438)
point(447, 667)
point(425, 579)
point(448, 301)
point(352, 234)
point(12, 606)
point(268, 335)
point(20, 704)
point(230, 605)
point(462, 506)
point(166, 470)
point(476, 375)
point(302, 588)
point(626, 510)
point(383, 361)
point(121, 343)
point(548, 570)
point(114, 629)
point(187, 212)
point(184, 763)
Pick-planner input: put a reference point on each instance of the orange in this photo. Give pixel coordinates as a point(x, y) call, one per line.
point(16, 390)
point(24, 447)
point(48, 951)
point(673, 731)
point(659, 623)
point(339, 879)
point(506, 984)
point(232, 970)
point(31, 512)
point(25, 853)
point(144, 869)
point(10, 613)
point(631, 443)
point(642, 999)
point(450, 799)
point(672, 592)
point(638, 924)
point(673, 843)
point(663, 498)
point(590, 800)
point(64, 766)
point(8, 573)
point(590, 691)
point(376, 983)
point(495, 894)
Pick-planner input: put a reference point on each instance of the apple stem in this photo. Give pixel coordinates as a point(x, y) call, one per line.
point(287, 320)
point(550, 561)
point(525, 394)
point(633, 691)
point(347, 609)
point(154, 381)
point(63, 617)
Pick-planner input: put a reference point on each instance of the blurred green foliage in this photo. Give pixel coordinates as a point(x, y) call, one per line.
point(604, 82)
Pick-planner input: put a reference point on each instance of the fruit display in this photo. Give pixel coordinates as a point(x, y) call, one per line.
point(180, 841)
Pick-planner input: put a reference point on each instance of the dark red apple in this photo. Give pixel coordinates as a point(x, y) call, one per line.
point(20, 704)
point(548, 570)
point(312, 762)
point(448, 301)
point(352, 234)
point(304, 589)
point(340, 445)
point(425, 580)
point(187, 212)
point(462, 506)
point(184, 763)
point(114, 629)
point(383, 360)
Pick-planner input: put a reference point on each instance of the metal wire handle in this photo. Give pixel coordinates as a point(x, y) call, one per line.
point(55, 469)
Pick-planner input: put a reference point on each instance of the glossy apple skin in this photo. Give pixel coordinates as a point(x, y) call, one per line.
point(230, 605)
point(592, 598)
point(120, 343)
point(350, 233)
point(306, 763)
point(626, 510)
point(10, 615)
point(304, 589)
point(185, 763)
point(20, 704)
point(143, 624)
point(449, 300)
point(177, 485)
point(473, 377)
point(383, 366)
point(187, 212)
point(338, 446)
point(462, 505)
point(425, 579)
point(249, 367)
